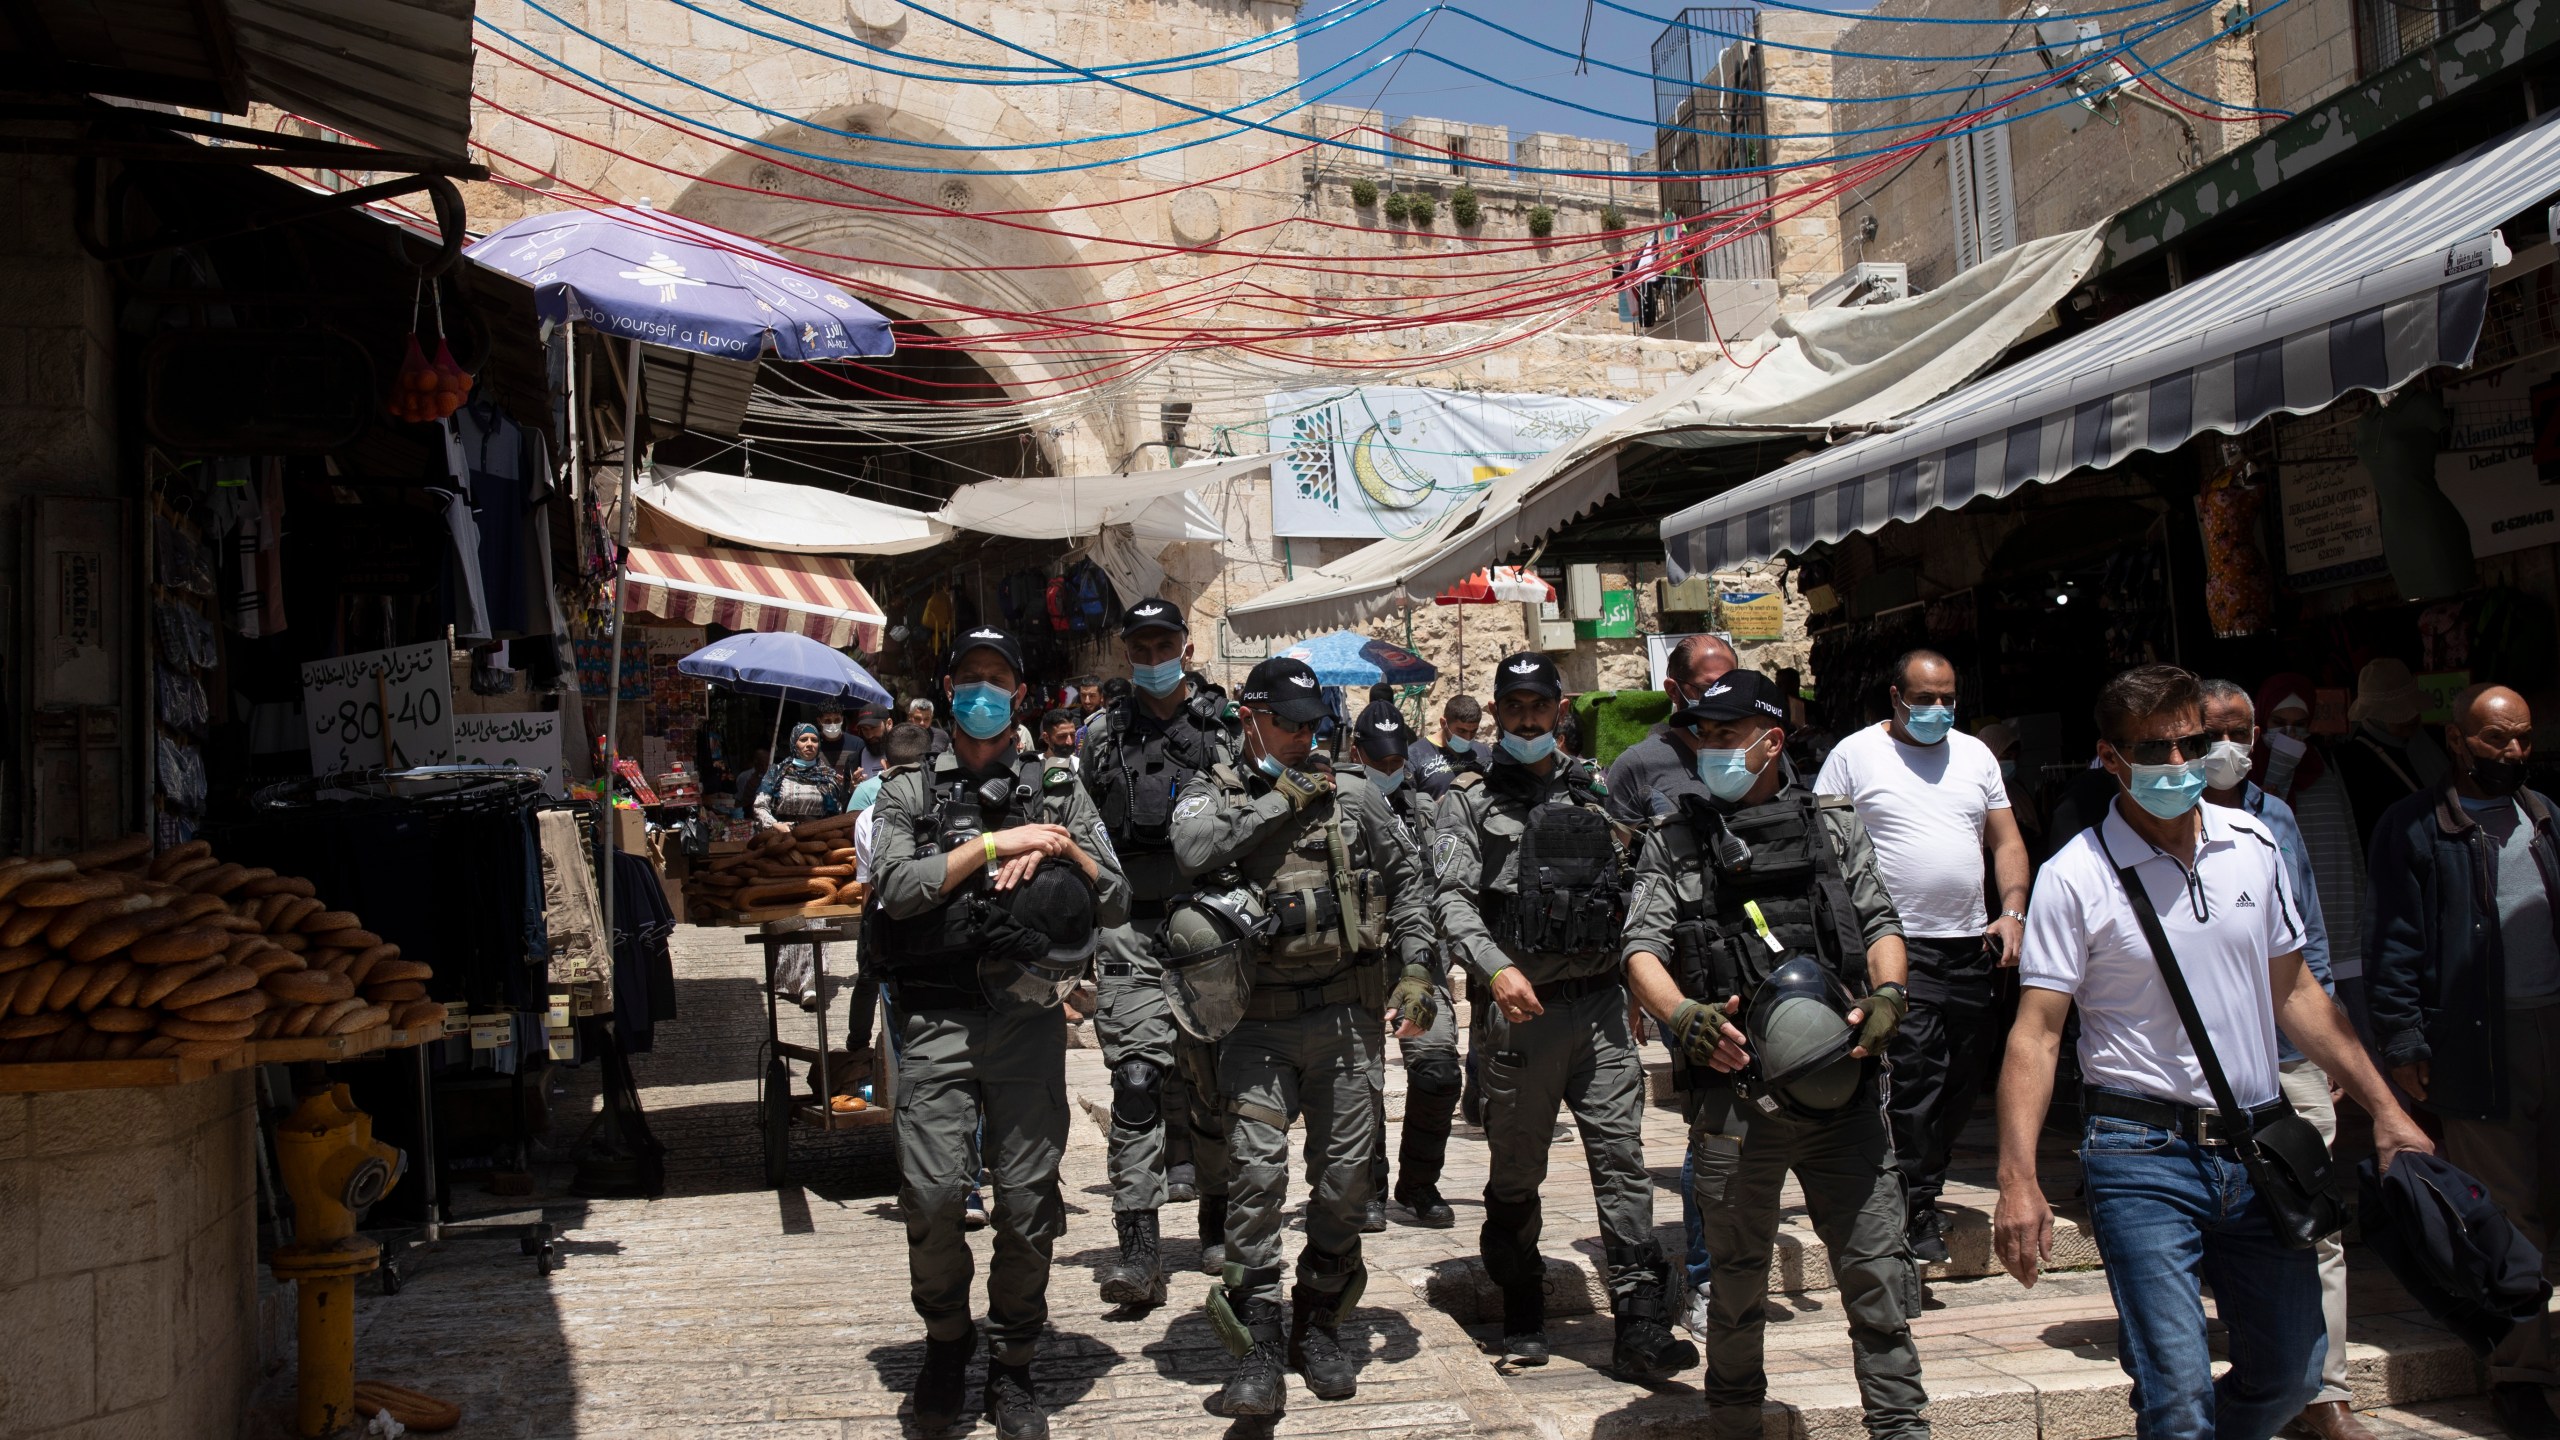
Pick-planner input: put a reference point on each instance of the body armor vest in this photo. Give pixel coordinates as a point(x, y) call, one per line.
point(951, 935)
point(1317, 892)
point(1133, 785)
point(1558, 886)
point(1790, 876)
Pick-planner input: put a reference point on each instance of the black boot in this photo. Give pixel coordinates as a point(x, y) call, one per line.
point(1213, 1234)
point(1137, 1277)
point(1509, 1244)
point(1257, 1386)
point(943, 1385)
point(1423, 1151)
point(1423, 1198)
point(1012, 1404)
point(1646, 1350)
point(1315, 1346)
point(1373, 1220)
point(1181, 1184)
point(1524, 1325)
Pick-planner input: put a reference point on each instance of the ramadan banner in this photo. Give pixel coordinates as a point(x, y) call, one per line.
point(1387, 461)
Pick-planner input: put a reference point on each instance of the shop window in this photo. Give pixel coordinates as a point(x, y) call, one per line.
point(2388, 30)
point(1984, 206)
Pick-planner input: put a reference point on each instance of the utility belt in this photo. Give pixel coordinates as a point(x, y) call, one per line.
point(2198, 1124)
point(1565, 992)
point(1288, 1002)
point(914, 993)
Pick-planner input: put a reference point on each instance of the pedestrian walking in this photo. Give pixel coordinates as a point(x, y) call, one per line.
point(1662, 763)
point(2389, 755)
point(1933, 804)
point(2171, 1200)
point(2465, 991)
point(1381, 742)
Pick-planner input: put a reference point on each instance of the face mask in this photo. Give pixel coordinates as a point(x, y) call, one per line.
point(2293, 732)
point(1269, 767)
point(832, 732)
point(1460, 745)
point(2167, 791)
point(983, 710)
point(1528, 750)
point(1389, 781)
point(1727, 774)
point(2496, 774)
point(2226, 764)
point(1929, 724)
point(1159, 679)
point(2008, 771)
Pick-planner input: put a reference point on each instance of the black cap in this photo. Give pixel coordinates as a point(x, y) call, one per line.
point(1381, 732)
point(1286, 688)
point(870, 710)
point(1528, 671)
point(987, 637)
point(1152, 613)
point(1736, 695)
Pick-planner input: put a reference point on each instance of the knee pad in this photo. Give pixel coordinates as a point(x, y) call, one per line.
point(1136, 1094)
point(1435, 1075)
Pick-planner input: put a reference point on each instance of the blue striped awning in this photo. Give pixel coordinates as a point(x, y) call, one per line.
point(2365, 301)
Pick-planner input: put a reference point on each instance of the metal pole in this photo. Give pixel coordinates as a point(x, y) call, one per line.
point(608, 834)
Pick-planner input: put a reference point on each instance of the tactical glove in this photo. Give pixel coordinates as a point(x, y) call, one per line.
point(1415, 999)
point(1301, 787)
point(1884, 1010)
point(1697, 1028)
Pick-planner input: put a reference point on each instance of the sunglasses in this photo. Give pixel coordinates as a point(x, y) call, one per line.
point(2160, 752)
point(1285, 727)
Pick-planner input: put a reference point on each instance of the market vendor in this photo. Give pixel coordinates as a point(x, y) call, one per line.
point(801, 786)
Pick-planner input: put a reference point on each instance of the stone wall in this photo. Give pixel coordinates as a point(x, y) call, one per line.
point(128, 1254)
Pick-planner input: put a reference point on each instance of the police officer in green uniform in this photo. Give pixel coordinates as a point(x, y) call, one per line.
point(1136, 750)
point(985, 863)
point(1380, 742)
point(1529, 874)
point(1735, 893)
point(1323, 914)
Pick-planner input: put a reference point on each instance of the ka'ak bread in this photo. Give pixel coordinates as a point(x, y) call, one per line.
point(115, 852)
point(178, 1027)
point(109, 936)
point(246, 1005)
point(71, 890)
point(71, 922)
point(25, 927)
point(168, 978)
point(122, 1020)
point(104, 977)
point(363, 1017)
point(212, 985)
point(274, 885)
point(31, 1027)
point(417, 1013)
point(391, 967)
point(306, 987)
point(177, 855)
point(19, 957)
point(33, 872)
point(395, 992)
point(178, 947)
point(320, 920)
point(35, 983)
point(271, 961)
point(326, 1022)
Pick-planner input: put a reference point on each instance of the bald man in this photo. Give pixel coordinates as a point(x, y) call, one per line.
point(2465, 990)
point(1662, 761)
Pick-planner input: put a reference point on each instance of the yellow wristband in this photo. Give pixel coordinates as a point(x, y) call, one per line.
point(991, 848)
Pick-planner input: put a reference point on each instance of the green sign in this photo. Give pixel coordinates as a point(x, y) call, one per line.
point(1617, 618)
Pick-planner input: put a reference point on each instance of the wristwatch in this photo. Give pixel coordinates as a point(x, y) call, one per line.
point(2013, 914)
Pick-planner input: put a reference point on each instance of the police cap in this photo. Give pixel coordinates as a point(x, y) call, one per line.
point(1735, 695)
point(1152, 614)
point(1287, 688)
point(987, 637)
point(1528, 671)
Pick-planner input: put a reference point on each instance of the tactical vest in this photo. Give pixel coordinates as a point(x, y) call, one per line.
point(1317, 882)
point(1133, 786)
point(1791, 878)
point(1554, 877)
point(970, 919)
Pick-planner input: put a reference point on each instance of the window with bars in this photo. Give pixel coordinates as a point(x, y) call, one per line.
point(1984, 207)
point(2389, 30)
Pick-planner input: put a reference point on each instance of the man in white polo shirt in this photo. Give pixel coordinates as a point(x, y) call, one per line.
point(1931, 798)
point(2170, 1200)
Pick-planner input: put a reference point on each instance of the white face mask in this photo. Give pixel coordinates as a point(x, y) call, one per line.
point(2226, 764)
point(832, 732)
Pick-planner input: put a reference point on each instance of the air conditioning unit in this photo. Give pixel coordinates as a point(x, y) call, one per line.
point(1870, 282)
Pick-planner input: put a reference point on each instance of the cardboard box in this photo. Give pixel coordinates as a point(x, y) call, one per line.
point(631, 832)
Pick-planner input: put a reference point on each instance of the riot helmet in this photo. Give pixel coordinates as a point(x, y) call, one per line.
point(1047, 935)
point(1801, 1037)
point(1209, 946)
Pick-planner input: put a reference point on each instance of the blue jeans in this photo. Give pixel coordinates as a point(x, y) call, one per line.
point(1697, 1263)
point(2172, 1217)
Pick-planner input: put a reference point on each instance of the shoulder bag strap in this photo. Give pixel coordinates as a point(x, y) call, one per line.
point(2233, 1116)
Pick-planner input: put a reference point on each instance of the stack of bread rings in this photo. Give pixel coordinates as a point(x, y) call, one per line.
point(806, 868)
point(116, 954)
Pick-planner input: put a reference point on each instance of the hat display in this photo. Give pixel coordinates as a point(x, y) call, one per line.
point(1152, 614)
point(1530, 671)
point(1735, 695)
point(1287, 688)
point(2386, 693)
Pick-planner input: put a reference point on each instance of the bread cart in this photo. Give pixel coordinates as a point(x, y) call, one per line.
point(783, 1110)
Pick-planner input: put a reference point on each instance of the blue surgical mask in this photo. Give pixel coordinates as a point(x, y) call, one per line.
point(983, 710)
point(1158, 679)
point(2008, 770)
point(1389, 781)
point(2167, 791)
point(1929, 724)
point(1727, 774)
point(1528, 750)
point(1460, 745)
point(1269, 767)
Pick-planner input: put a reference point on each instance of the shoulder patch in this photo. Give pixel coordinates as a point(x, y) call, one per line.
point(1635, 893)
point(1195, 805)
point(1447, 857)
point(1467, 780)
point(1100, 839)
point(1834, 802)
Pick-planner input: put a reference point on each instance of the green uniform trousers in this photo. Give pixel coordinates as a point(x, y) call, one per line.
point(1136, 1024)
point(1318, 1063)
point(1431, 1084)
point(1579, 1054)
point(1853, 1193)
point(964, 1075)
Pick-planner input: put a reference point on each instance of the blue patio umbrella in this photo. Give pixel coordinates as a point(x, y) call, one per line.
point(783, 666)
point(1347, 658)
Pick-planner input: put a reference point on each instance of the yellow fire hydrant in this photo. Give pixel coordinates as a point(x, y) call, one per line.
point(332, 1167)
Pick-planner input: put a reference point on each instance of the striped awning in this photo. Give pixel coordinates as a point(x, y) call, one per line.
point(2365, 301)
point(812, 595)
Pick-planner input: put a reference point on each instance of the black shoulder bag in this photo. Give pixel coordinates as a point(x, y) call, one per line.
point(2288, 1163)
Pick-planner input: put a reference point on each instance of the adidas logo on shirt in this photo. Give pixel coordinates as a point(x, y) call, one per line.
point(2244, 902)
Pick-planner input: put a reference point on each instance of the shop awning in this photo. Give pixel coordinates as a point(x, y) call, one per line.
point(794, 519)
point(2365, 301)
point(1156, 504)
point(812, 595)
point(1817, 371)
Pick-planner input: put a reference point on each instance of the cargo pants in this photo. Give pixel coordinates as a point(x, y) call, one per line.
point(963, 1074)
point(1740, 1156)
point(1317, 1063)
point(1579, 1054)
point(1136, 1023)
point(1432, 1078)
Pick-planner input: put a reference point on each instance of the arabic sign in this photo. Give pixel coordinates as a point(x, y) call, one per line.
point(1391, 460)
point(383, 707)
point(2504, 500)
point(530, 739)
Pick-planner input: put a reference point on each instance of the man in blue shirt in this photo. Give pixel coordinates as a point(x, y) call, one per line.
point(1434, 766)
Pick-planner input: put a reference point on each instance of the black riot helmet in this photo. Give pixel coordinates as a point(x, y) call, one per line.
point(1036, 959)
point(1798, 1023)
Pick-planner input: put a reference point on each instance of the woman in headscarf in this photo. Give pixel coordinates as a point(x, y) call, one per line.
point(800, 787)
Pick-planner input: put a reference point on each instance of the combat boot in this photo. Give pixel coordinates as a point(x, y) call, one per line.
point(1509, 1244)
point(1423, 1199)
point(1524, 1325)
point(1646, 1350)
point(1137, 1277)
point(1315, 1346)
point(1213, 1234)
point(1013, 1404)
point(1258, 1386)
point(942, 1387)
point(1182, 1183)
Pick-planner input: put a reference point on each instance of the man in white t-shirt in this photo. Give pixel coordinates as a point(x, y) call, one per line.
point(2171, 1202)
point(1932, 800)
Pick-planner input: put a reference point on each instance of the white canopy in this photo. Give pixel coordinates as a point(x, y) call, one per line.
point(1821, 369)
point(2363, 301)
point(793, 519)
point(1157, 505)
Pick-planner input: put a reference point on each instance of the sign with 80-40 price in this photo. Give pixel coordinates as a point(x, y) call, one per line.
point(352, 702)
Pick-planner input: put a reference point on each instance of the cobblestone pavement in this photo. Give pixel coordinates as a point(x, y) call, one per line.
point(727, 1308)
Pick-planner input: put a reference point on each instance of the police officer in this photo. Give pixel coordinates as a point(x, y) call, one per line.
point(1314, 878)
point(1137, 748)
point(1380, 741)
point(1758, 891)
point(992, 877)
point(1529, 873)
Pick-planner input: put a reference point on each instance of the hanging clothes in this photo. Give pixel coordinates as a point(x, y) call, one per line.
point(644, 976)
point(572, 913)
